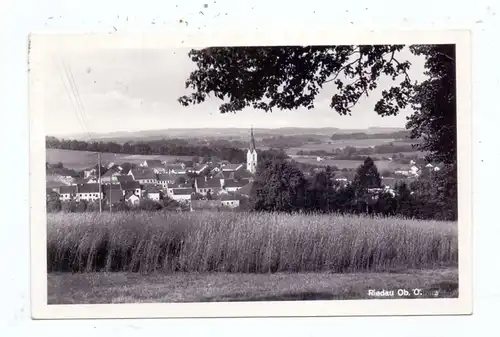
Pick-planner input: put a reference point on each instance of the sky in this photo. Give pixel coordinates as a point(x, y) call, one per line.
point(136, 89)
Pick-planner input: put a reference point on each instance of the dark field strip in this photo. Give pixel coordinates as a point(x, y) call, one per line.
point(102, 288)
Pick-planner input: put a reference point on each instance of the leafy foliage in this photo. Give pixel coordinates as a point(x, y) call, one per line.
point(288, 77)
point(367, 176)
point(279, 187)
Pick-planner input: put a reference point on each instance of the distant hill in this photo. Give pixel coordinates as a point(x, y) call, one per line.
point(227, 133)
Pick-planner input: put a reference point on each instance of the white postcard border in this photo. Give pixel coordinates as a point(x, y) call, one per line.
point(39, 44)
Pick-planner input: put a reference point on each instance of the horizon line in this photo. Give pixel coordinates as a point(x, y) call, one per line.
point(225, 128)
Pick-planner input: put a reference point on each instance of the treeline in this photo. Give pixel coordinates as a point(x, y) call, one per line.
point(281, 187)
point(400, 135)
point(172, 147)
point(356, 153)
point(285, 142)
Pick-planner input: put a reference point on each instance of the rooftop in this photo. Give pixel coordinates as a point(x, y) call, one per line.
point(154, 163)
point(232, 167)
point(144, 174)
point(130, 185)
point(182, 191)
point(88, 188)
point(235, 183)
point(209, 183)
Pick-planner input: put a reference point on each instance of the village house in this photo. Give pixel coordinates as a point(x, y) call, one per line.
point(231, 200)
point(132, 186)
point(205, 185)
point(144, 176)
point(206, 205)
point(89, 172)
point(152, 192)
point(246, 189)
point(199, 168)
point(232, 185)
point(236, 175)
point(179, 168)
point(414, 170)
point(110, 176)
point(215, 170)
point(132, 199)
point(344, 178)
point(232, 167)
point(388, 182)
point(89, 192)
point(91, 180)
point(68, 192)
point(166, 179)
point(124, 178)
point(154, 164)
point(182, 195)
point(225, 175)
point(431, 167)
point(402, 172)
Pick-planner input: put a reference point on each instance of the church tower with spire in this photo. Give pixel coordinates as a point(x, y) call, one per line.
point(252, 155)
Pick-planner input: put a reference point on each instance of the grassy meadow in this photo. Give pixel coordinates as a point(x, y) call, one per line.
point(329, 144)
point(97, 288)
point(79, 160)
point(245, 243)
point(210, 256)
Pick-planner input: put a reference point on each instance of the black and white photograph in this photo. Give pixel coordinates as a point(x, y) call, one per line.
point(332, 175)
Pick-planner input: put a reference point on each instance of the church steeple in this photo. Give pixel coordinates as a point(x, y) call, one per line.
point(252, 140)
point(252, 154)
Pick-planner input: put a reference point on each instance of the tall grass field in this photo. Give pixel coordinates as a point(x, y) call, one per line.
point(245, 243)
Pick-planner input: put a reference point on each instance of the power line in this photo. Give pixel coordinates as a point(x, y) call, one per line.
point(72, 103)
point(78, 98)
point(74, 89)
point(79, 110)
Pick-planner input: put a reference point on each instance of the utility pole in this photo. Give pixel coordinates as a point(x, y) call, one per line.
point(99, 180)
point(110, 200)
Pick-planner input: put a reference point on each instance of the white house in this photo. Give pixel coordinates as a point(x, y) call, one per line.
point(165, 179)
point(232, 185)
point(67, 192)
point(204, 185)
point(110, 176)
point(181, 194)
point(132, 199)
point(144, 176)
point(230, 200)
point(414, 170)
point(132, 186)
point(176, 168)
point(152, 192)
point(154, 164)
point(89, 192)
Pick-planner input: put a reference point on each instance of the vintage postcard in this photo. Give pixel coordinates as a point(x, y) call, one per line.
point(243, 175)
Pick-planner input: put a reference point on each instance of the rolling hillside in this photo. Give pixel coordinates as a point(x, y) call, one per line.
point(79, 160)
